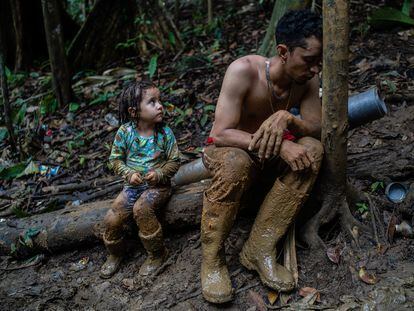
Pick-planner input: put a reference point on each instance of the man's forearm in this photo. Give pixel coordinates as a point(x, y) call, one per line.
point(302, 128)
point(232, 138)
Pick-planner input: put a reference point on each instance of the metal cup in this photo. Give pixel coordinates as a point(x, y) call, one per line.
point(396, 192)
point(365, 107)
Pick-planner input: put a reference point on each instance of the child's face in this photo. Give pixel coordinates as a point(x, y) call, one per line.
point(151, 108)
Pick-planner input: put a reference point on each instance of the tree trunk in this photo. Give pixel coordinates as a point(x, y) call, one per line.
point(18, 30)
point(6, 104)
point(65, 229)
point(169, 21)
point(334, 123)
point(280, 7)
point(209, 11)
point(23, 33)
point(57, 56)
point(108, 23)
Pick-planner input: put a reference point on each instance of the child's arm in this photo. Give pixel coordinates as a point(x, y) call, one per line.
point(118, 156)
point(172, 164)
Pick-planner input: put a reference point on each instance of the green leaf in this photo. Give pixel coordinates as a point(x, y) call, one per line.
point(8, 73)
point(392, 87)
point(48, 105)
point(180, 111)
point(189, 112)
point(406, 7)
point(209, 108)
point(29, 234)
point(82, 160)
point(12, 171)
point(18, 118)
point(362, 207)
point(204, 120)
point(152, 67)
point(376, 185)
point(54, 105)
point(171, 38)
point(3, 133)
point(102, 98)
point(31, 168)
point(34, 74)
point(73, 107)
point(386, 15)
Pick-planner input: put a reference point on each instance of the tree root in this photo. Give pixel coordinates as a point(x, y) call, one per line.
point(334, 204)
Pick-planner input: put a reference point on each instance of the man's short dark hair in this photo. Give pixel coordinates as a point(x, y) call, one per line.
point(296, 26)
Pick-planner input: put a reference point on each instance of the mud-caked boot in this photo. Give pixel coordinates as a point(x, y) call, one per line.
point(116, 249)
point(216, 222)
point(157, 252)
point(276, 214)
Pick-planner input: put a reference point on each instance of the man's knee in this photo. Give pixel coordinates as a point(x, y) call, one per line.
point(235, 165)
point(313, 146)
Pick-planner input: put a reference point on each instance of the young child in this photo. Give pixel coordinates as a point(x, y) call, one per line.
point(146, 155)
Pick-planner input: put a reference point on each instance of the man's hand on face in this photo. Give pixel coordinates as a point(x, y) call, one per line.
point(297, 157)
point(151, 177)
point(136, 179)
point(268, 137)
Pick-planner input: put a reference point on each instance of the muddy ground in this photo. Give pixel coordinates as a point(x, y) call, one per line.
point(381, 151)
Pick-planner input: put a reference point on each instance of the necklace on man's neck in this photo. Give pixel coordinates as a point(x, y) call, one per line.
point(272, 91)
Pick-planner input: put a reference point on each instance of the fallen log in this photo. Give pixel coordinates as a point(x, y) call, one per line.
point(82, 225)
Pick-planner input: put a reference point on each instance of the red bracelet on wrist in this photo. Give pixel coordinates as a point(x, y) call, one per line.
point(288, 135)
point(209, 141)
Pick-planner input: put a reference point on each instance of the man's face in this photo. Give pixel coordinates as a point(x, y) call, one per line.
point(303, 63)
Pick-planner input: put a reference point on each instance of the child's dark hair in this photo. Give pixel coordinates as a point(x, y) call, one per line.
point(131, 97)
point(296, 26)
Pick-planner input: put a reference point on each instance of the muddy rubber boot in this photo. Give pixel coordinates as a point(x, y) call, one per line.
point(157, 252)
point(276, 214)
point(216, 222)
point(116, 250)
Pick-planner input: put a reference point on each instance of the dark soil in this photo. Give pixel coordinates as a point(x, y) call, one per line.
point(380, 151)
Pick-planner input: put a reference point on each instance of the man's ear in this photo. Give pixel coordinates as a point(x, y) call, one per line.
point(132, 112)
point(282, 51)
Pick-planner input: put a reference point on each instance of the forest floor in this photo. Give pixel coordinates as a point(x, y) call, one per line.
point(371, 275)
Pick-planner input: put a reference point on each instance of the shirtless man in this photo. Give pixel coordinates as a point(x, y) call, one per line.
point(253, 135)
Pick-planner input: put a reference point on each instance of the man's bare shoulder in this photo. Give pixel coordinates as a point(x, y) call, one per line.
point(246, 66)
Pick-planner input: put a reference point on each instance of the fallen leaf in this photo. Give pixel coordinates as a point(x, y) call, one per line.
point(128, 284)
point(306, 291)
point(284, 298)
point(363, 65)
point(334, 254)
point(381, 249)
point(366, 277)
point(257, 300)
point(391, 228)
point(206, 99)
point(272, 297)
point(84, 260)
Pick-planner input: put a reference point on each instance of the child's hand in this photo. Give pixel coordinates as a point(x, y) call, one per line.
point(151, 177)
point(136, 179)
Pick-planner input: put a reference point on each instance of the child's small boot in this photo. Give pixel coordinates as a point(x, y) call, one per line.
point(116, 250)
point(157, 252)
